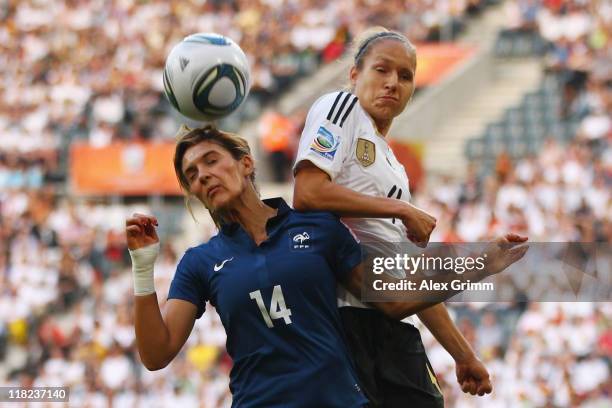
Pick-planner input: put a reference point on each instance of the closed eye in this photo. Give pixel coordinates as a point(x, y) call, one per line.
point(191, 177)
point(407, 76)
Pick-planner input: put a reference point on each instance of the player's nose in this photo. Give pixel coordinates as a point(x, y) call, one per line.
point(204, 175)
point(391, 81)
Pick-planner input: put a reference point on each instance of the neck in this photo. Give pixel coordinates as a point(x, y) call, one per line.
point(383, 126)
point(252, 215)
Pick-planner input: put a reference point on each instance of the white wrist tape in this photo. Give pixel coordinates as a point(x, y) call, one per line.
point(143, 260)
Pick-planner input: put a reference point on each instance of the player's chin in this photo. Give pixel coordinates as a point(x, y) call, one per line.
point(387, 112)
point(217, 202)
point(221, 200)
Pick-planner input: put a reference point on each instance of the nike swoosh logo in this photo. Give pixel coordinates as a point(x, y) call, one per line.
point(219, 267)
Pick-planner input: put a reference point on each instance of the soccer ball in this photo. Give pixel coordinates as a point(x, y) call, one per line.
point(206, 76)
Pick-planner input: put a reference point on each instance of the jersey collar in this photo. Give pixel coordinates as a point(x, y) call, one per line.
point(237, 234)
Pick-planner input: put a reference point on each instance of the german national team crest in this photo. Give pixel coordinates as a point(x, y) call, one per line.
point(366, 152)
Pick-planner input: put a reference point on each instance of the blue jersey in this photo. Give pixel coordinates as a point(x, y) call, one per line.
point(277, 302)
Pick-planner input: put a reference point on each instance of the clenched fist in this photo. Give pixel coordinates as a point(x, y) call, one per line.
point(473, 377)
point(419, 225)
point(140, 231)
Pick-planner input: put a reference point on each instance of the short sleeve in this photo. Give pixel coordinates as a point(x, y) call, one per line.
point(348, 251)
point(190, 282)
point(328, 133)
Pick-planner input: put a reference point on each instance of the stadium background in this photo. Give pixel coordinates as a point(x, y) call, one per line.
point(510, 128)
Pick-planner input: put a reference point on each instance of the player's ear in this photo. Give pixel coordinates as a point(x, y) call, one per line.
point(353, 73)
point(248, 165)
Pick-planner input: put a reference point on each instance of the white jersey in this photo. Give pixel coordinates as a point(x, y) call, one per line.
point(340, 138)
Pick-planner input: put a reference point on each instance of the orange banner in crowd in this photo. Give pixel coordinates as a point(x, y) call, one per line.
point(435, 61)
point(123, 169)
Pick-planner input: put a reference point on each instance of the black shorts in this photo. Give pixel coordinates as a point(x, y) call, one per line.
point(390, 360)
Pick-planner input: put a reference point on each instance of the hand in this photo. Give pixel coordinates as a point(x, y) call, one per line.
point(140, 231)
point(473, 377)
point(503, 252)
point(419, 225)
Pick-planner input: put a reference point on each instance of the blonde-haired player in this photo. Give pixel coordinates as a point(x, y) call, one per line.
point(346, 166)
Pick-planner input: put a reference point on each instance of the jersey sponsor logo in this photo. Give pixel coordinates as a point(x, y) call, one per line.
point(219, 267)
point(300, 239)
point(325, 143)
point(365, 152)
point(344, 110)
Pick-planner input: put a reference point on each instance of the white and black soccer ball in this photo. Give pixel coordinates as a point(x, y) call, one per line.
point(206, 76)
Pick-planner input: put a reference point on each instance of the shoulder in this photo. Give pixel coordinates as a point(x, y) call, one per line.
point(323, 219)
point(336, 107)
point(201, 255)
point(320, 227)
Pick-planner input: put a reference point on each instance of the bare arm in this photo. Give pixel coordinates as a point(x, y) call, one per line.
point(314, 190)
point(501, 254)
point(159, 339)
point(444, 330)
point(472, 375)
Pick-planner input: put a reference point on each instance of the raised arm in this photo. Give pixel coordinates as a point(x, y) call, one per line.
point(158, 338)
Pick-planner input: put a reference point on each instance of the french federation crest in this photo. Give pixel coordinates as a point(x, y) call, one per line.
point(301, 239)
point(366, 152)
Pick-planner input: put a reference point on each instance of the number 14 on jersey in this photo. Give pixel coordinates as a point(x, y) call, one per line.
point(278, 308)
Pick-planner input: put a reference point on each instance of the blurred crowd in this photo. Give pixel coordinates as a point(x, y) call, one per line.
point(573, 36)
point(538, 354)
point(92, 70)
point(88, 69)
point(65, 286)
point(560, 195)
point(542, 354)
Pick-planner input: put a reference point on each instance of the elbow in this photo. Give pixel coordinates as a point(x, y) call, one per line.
point(154, 364)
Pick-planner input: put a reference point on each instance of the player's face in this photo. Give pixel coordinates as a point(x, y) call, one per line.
point(385, 82)
point(214, 176)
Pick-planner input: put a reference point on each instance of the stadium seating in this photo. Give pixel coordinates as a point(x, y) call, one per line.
point(65, 285)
